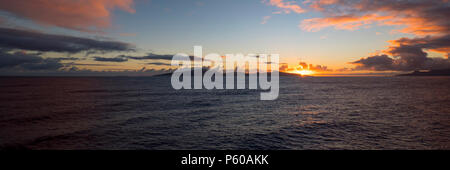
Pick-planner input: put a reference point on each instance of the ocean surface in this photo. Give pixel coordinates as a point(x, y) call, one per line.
point(147, 113)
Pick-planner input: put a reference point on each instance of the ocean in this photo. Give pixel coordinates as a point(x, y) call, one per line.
point(147, 113)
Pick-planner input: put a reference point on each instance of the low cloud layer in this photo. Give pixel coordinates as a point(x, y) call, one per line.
point(36, 41)
point(22, 61)
point(377, 62)
point(116, 59)
point(409, 54)
point(159, 64)
point(405, 63)
point(151, 56)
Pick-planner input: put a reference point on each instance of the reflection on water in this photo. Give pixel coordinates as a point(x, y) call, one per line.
point(146, 113)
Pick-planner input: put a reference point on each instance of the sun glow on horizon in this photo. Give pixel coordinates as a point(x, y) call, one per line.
point(303, 72)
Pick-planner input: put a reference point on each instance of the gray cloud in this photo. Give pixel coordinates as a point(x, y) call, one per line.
point(151, 56)
point(45, 64)
point(84, 64)
point(159, 64)
point(23, 61)
point(115, 59)
point(439, 44)
point(409, 57)
point(67, 58)
point(35, 41)
point(409, 54)
point(436, 64)
point(407, 62)
point(14, 59)
point(377, 62)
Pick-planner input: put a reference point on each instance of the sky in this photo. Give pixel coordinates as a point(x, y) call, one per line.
point(141, 35)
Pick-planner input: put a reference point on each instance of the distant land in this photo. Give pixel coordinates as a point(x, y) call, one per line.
point(235, 73)
point(444, 72)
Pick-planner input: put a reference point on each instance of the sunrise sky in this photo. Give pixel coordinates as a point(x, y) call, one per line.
point(142, 35)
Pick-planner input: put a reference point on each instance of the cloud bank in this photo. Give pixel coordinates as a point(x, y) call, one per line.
point(115, 59)
point(409, 54)
point(16, 48)
point(427, 20)
point(24, 61)
point(151, 56)
point(36, 41)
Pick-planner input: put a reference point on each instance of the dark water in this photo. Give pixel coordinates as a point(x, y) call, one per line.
point(146, 113)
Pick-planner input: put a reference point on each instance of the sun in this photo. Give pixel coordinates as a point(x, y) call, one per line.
point(303, 72)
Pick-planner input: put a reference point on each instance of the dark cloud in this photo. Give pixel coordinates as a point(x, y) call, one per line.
point(115, 59)
point(440, 44)
point(67, 58)
point(151, 56)
point(17, 58)
point(436, 64)
point(35, 41)
point(45, 64)
point(408, 57)
point(85, 64)
point(409, 54)
point(159, 64)
point(23, 61)
point(408, 62)
point(377, 62)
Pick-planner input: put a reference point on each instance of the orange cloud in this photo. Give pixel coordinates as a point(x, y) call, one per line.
point(417, 17)
point(284, 67)
point(345, 22)
point(317, 5)
point(81, 15)
point(287, 7)
point(417, 26)
point(427, 19)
